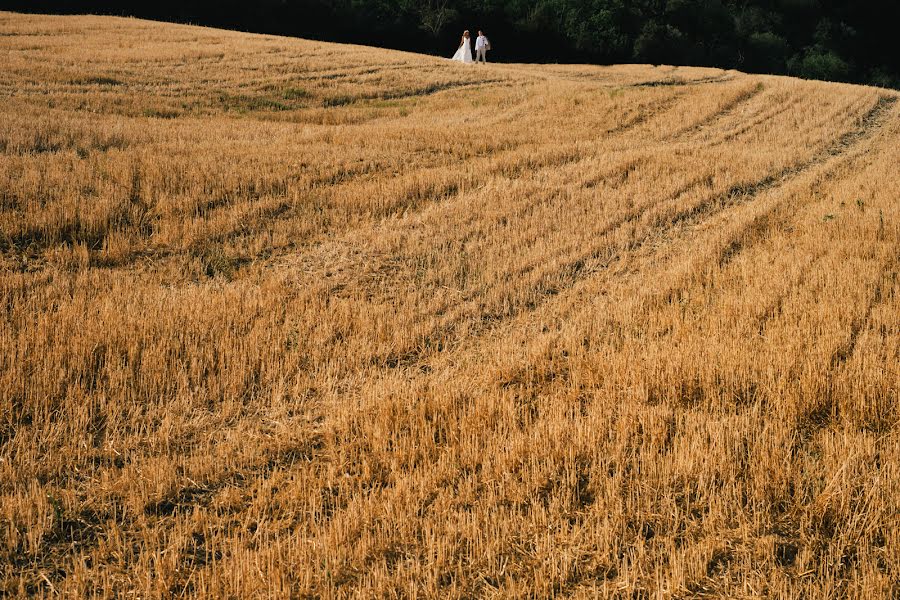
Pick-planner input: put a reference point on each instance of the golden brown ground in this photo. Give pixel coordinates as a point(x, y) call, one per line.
point(292, 318)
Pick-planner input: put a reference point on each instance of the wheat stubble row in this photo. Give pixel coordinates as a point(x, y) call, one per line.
point(284, 318)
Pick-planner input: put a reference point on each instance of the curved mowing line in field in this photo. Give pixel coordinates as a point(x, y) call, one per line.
point(724, 112)
point(866, 130)
point(573, 270)
point(585, 263)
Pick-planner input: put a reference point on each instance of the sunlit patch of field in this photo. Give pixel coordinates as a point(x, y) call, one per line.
point(287, 318)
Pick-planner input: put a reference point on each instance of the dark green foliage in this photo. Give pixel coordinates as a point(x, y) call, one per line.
point(766, 52)
point(844, 40)
point(820, 63)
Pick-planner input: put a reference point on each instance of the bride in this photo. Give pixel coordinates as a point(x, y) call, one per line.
point(464, 54)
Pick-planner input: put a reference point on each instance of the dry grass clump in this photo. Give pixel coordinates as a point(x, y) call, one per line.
point(285, 318)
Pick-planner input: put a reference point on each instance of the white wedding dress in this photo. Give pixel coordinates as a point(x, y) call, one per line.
point(464, 54)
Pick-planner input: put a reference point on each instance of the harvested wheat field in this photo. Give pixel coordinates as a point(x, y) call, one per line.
point(284, 318)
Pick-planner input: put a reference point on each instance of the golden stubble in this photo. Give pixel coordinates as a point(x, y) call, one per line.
point(285, 318)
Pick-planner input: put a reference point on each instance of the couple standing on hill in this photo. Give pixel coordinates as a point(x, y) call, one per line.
point(464, 53)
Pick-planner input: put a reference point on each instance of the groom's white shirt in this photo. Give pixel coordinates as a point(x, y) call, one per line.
point(481, 42)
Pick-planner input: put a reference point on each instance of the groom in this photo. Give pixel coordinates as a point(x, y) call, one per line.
point(481, 47)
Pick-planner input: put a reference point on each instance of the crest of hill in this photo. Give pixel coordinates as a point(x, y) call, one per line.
point(203, 70)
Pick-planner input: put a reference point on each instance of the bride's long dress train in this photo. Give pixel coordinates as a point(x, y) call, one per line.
point(464, 54)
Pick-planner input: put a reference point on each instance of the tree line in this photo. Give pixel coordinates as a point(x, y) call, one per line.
point(838, 40)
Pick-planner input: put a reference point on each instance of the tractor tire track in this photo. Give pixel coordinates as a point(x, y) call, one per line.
point(721, 114)
point(742, 192)
point(825, 409)
point(602, 256)
point(754, 230)
point(683, 82)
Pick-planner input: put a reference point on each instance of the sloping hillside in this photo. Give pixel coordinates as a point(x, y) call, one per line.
point(289, 318)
